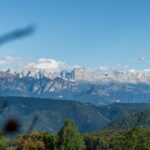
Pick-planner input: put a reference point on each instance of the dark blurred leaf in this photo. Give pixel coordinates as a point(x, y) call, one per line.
point(12, 125)
point(33, 123)
point(16, 34)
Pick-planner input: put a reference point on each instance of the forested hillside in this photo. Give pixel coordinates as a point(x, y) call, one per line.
point(50, 114)
point(139, 119)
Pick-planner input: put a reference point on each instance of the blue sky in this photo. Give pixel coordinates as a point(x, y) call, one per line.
point(89, 33)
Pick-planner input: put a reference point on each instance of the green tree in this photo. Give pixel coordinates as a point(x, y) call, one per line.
point(137, 139)
point(49, 141)
point(69, 138)
point(3, 143)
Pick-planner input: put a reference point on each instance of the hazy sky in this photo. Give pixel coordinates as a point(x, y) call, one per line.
point(90, 33)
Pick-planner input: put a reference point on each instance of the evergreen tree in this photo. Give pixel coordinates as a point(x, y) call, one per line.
point(69, 138)
point(137, 139)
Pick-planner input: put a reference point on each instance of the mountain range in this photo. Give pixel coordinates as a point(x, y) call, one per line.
point(80, 84)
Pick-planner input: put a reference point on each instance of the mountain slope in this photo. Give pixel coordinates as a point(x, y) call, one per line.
point(52, 113)
point(132, 120)
point(118, 110)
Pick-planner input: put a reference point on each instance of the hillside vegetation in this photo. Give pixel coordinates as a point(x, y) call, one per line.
point(51, 113)
point(68, 138)
point(139, 119)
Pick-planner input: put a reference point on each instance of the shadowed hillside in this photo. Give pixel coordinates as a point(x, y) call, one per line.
point(51, 113)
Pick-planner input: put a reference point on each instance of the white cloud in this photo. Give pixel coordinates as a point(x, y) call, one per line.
point(147, 70)
point(132, 70)
point(120, 66)
point(9, 60)
point(115, 67)
point(103, 68)
point(12, 63)
point(144, 59)
point(46, 64)
point(51, 65)
point(76, 66)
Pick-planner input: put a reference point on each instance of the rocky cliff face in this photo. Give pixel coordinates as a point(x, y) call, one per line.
point(80, 84)
point(87, 74)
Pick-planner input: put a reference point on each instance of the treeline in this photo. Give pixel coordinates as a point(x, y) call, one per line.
point(68, 138)
point(133, 139)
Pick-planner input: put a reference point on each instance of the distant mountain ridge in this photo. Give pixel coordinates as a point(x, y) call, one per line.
point(69, 86)
point(51, 113)
point(87, 74)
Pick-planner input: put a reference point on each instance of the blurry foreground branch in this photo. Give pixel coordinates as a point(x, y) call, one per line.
point(16, 34)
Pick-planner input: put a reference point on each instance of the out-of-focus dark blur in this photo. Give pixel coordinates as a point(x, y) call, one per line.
point(12, 124)
point(16, 34)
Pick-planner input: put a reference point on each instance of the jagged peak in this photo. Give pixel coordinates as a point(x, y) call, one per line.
point(85, 74)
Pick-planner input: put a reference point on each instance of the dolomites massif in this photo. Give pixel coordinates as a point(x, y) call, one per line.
point(81, 84)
